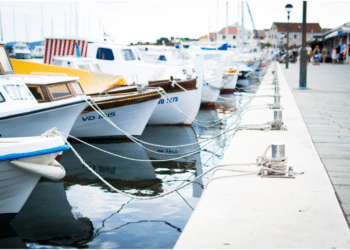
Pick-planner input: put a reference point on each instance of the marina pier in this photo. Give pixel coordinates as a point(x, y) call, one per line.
point(248, 211)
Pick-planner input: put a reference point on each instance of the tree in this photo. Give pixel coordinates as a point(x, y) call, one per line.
point(160, 41)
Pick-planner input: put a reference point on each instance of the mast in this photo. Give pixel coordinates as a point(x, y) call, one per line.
point(14, 24)
point(26, 25)
point(226, 22)
point(76, 19)
point(65, 22)
point(217, 22)
point(71, 19)
point(89, 24)
point(2, 39)
point(42, 23)
point(254, 28)
point(242, 25)
point(52, 26)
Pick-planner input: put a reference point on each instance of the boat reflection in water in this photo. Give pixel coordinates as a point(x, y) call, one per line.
point(79, 211)
point(46, 218)
point(189, 166)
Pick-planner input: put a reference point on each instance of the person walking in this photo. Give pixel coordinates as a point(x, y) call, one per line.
point(334, 55)
point(308, 53)
point(324, 54)
point(316, 53)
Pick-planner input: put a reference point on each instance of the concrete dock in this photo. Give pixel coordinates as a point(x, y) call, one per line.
point(325, 109)
point(248, 211)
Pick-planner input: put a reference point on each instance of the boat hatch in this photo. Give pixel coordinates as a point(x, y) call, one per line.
point(56, 91)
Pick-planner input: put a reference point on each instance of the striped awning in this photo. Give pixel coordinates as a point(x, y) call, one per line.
point(63, 47)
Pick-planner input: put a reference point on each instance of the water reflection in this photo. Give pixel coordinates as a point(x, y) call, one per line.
point(46, 218)
point(79, 211)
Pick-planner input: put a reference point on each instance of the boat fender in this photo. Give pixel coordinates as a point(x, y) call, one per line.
point(52, 171)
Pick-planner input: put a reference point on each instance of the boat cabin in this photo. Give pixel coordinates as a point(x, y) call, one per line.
point(21, 51)
point(38, 51)
point(48, 88)
point(128, 61)
point(84, 63)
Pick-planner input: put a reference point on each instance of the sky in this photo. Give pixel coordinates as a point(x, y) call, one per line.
point(148, 20)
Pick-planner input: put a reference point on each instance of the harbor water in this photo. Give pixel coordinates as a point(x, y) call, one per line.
point(81, 212)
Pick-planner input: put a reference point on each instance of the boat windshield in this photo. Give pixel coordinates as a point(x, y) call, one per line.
point(128, 55)
point(77, 88)
point(5, 64)
point(18, 92)
point(96, 67)
point(21, 47)
point(84, 67)
point(59, 91)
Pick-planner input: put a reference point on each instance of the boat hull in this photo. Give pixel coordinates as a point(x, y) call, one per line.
point(209, 94)
point(26, 123)
point(230, 82)
point(166, 114)
point(17, 183)
point(130, 118)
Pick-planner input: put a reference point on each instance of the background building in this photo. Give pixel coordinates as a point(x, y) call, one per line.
point(277, 35)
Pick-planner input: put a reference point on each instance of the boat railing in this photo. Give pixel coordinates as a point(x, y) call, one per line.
point(48, 74)
point(8, 77)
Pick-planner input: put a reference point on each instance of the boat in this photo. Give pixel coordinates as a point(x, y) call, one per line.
point(229, 78)
point(22, 115)
point(24, 110)
point(185, 96)
point(116, 59)
point(20, 51)
point(127, 108)
point(38, 51)
point(163, 114)
point(90, 81)
point(23, 161)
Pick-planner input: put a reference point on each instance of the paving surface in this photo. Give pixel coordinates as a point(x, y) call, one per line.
point(240, 209)
point(325, 109)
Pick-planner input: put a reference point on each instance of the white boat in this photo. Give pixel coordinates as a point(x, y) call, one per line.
point(38, 51)
point(25, 113)
point(118, 59)
point(229, 78)
point(128, 109)
point(20, 51)
point(177, 107)
point(212, 82)
point(126, 58)
point(84, 63)
point(23, 161)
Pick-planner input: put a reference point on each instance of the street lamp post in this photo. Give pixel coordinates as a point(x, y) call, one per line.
point(289, 9)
